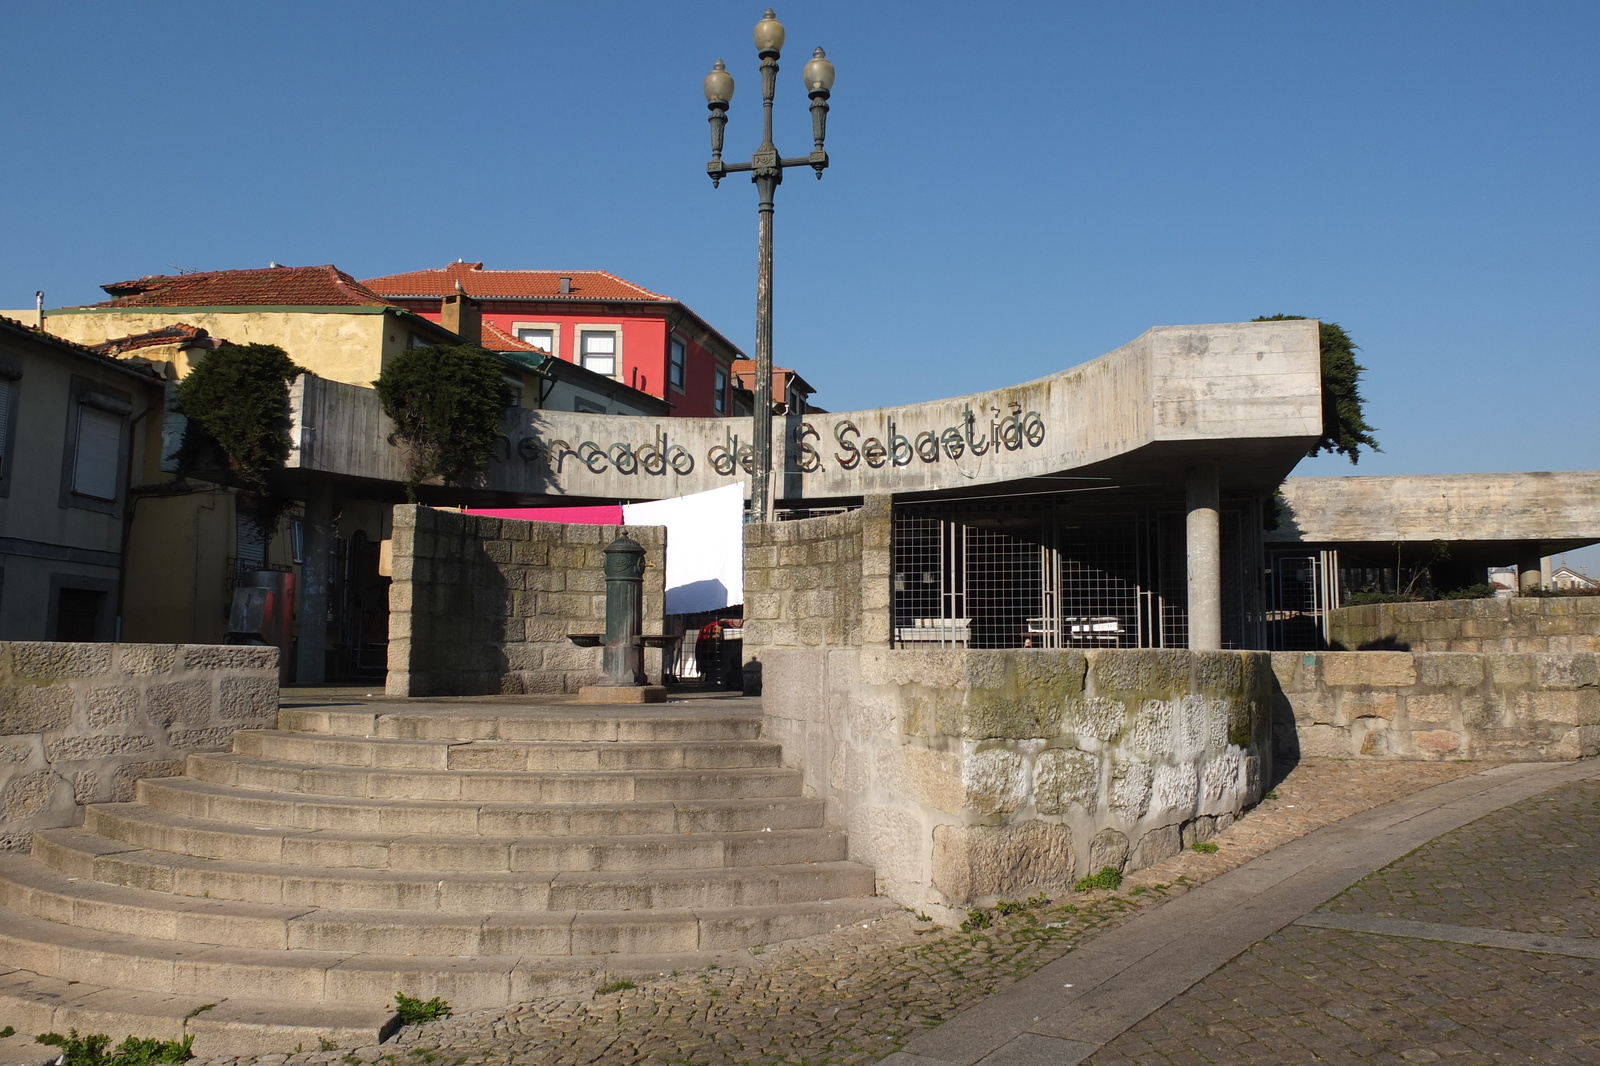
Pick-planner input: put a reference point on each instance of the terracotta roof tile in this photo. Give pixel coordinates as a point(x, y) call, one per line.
point(744, 376)
point(498, 340)
point(484, 284)
point(309, 286)
point(137, 367)
point(177, 333)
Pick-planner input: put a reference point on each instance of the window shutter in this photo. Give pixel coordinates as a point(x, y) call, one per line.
point(250, 545)
point(94, 469)
point(5, 422)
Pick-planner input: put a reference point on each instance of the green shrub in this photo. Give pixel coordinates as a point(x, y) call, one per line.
point(445, 402)
point(1479, 591)
point(1109, 878)
point(976, 919)
point(1344, 424)
point(237, 401)
point(413, 1011)
point(90, 1049)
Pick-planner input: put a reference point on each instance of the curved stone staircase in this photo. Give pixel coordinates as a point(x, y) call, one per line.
point(490, 854)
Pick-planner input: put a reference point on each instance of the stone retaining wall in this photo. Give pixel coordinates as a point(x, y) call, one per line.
point(967, 775)
point(1511, 624)
point(80, 723)
point(482, 605)
point(1441, 705)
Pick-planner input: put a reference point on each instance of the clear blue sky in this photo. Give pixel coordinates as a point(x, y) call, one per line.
point(1016, 187)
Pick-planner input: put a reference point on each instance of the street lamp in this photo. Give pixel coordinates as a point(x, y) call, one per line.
point(766, 170)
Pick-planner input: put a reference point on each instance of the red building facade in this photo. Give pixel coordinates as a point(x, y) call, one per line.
point(597, 320)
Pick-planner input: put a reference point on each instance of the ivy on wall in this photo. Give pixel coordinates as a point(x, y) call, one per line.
point(237, 403)
point(445, 403)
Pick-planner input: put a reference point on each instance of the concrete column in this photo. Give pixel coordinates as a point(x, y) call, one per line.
point(1530, 570)
point(316, 570)
point(1204, 541)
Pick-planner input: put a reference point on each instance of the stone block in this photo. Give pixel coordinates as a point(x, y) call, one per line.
point(1435, 708)
point(147, 658)
point(1568, 706)
point(1511, 669)
point(1364, 703)
point(30, 795)
point(249, 697)
point(1175, 790)
point(51, 660)
point(1567, 671)
point(1436, 742)
point(229, 657)
point(1388, 669)
point(1456, 670)
point(1095, 717)
point(35, 708)
point(1063, 778)
point(971, 862)
point(995, 781)
point(1325, 741)
point(211, 738)
point(1155, 845)
point(1222, 782)
point(1138, 673)
point(1108, 848)
point(107, 705)
point(97, 746)
point(1295, 671)
point(922, 775)
point(1128, 795)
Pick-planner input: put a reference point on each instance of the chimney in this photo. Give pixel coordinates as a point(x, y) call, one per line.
point(566, 286)
point(463, 316)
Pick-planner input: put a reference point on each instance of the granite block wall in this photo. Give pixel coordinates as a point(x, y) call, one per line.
point(481, 605)
point(80, 723)
point(1510, 624)
point(1437, 705)
point(965, 775)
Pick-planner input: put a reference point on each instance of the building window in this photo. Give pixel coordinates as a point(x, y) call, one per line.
point(542, 338)
point(95, 453)
point(95, 448)
point(719, 398)
point(588, 407)
point(677, 364)
point(598, 352)
point(513, 385)
point(8, 422)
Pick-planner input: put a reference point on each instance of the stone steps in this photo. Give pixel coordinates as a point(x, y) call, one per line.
point(561, 724)
point(391, 753)
point(164, 876)
point(113, 831)
point(488, 853)
point(493, 786)
point(34, 1003)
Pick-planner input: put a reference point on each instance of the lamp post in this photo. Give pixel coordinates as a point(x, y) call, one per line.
point(766, 171)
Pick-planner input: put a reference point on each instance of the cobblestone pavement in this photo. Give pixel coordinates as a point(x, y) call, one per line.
point(1543, 879)
point(858, 994)
point(1339, 996)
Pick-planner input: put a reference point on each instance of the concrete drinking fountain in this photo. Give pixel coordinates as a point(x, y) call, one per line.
point(622, 678)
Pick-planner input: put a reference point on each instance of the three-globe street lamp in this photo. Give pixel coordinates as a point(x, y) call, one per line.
point(766, 170)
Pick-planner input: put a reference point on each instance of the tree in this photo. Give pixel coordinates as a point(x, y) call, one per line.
point(237, 399)
point(1344, 425)
point(445, 403)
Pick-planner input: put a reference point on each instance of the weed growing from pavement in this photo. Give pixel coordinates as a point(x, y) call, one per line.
point(620, 985)
point(1206, 847)
point(413, 1011)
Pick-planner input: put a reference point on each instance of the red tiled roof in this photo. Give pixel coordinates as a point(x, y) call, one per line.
point(137, 367)
point(498, 340)
point(484, 284)
point(744, 376)
point(309, 286)
point(176, 333)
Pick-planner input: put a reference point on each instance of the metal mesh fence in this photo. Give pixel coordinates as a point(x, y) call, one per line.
point(1028, 574)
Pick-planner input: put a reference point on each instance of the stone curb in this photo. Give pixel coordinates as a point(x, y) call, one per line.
point(1070, 1009)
